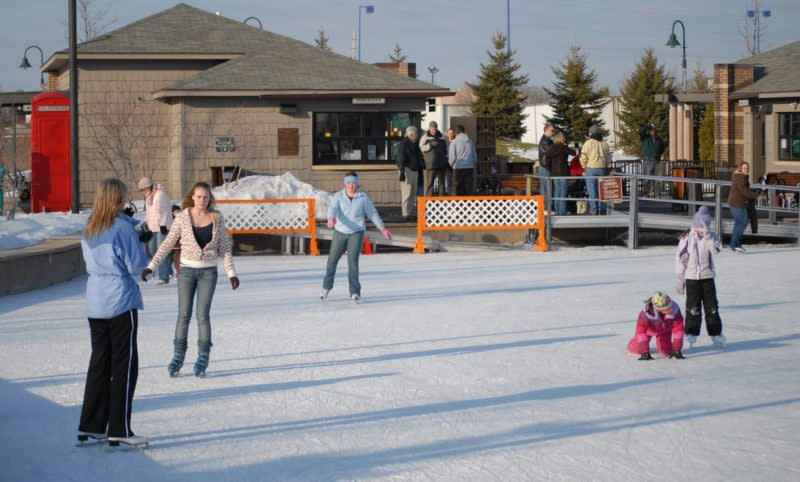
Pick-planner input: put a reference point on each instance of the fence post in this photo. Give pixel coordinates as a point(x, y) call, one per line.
point(633, 215)
point(419, 248)
point(547, 202)
point(691, 196)
point(718, 209)
point(773, 218)
point(313, 249)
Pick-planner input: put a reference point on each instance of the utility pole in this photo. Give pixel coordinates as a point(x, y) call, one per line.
point(73, 108)
point(756, 15)
point(508, 26)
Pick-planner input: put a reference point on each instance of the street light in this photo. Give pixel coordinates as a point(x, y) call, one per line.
point(433, 71)
point(673, 42)
point(27, 65)
point(261, 27)
point(369, 9)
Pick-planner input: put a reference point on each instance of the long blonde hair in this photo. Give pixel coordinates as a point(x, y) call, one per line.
point(108, 200)
point(188, 202)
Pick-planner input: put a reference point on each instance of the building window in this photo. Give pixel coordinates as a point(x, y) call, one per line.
point(789, 136)
point(360, 137)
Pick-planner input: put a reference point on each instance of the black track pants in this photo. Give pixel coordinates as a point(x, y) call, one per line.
point(702, 292)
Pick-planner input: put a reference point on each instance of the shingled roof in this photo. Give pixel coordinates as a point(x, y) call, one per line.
point(779, 70)
point(261, 60)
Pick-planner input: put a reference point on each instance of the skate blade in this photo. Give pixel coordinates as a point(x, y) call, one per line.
point(122, 446)
point(89, 443)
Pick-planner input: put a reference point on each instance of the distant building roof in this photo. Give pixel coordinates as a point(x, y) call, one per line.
point(778, 70)
point(17, 98)
point(251, 59)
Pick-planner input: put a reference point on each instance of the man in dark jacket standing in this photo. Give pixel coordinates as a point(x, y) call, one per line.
point(410, 162)
point(434, 152)
point(544, 144)
point(652, 149)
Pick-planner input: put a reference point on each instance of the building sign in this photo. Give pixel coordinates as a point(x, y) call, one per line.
point(369, 100)
point(53, 108)
point(610, 188)
point(225, 144)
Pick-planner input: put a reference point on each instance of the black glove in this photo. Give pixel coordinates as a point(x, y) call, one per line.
point(402, 176)
point(235, 282)
point(145, 273)
point(129, 211)
point(677, 355)
point(164, 230)
point(645, 356)
point(145, 235)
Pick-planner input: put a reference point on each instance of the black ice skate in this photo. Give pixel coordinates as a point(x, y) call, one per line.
point(645, 356)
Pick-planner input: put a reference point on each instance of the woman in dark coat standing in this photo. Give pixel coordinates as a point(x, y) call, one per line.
point(737, 200)
point(557, 160)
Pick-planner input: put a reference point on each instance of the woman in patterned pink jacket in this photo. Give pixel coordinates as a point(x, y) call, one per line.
point(660, 318)
point(204, 240)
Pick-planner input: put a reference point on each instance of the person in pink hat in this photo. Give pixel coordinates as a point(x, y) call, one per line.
point(158, 216)
point(660, 318)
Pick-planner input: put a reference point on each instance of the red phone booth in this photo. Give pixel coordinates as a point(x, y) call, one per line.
point(50, 166)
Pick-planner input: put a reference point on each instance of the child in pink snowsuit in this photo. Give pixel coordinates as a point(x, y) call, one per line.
point(661, 318)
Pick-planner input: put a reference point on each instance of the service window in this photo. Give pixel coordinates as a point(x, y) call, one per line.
point(789, 136)
point(360, 137)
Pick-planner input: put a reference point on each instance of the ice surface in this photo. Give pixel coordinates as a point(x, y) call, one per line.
point(458, 366)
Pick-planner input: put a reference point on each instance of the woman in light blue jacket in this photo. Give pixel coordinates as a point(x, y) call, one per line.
point(346, 213)
point(114, 258)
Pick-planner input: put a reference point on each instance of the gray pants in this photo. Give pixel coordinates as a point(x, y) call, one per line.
point(439, 176)
point(191, 281)
point(162, 271)
point(352, 243)
point(650, 168)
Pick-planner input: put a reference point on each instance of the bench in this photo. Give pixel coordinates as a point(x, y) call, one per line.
point(517, 183)
point(785, 178)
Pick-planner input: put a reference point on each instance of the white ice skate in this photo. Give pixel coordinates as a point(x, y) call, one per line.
point(324, 293)
point(691, 340)
point(133, 441)
point(356, 298)
point(718, 341)
point(90, 438)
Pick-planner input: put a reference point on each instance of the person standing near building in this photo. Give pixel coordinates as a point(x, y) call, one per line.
point(158, 216)
point(595, 159)
point(434, 151)
point(545, 143)
point(462, 157)
point(556, 157)
point(410, 163)
point(346, 213)
point(204, 240)
point(652, 150)
point(737, 200)
point(113, 257)
point(450, 183)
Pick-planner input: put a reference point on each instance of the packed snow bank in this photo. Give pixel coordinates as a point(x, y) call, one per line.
point(285, 186)
point(29, 229)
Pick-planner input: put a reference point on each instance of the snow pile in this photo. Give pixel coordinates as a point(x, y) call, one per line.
point(621, 156)
point(285, 186)
point(29, 229)
point(532, 153)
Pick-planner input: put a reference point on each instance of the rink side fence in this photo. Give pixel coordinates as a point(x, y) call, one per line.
point(271, 216)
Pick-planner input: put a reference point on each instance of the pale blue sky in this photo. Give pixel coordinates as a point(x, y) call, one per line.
point(452, 35)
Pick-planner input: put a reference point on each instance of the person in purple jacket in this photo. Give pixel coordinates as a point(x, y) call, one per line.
point(694, 266)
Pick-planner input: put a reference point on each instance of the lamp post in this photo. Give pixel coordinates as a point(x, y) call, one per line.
point(433, 71)
point(74, 166)
point(27, 65)
point(369, 9)
point(261, 27)
point(673, 42)
point(508, 27)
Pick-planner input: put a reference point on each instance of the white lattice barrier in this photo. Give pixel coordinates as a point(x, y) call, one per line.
point(270, 216)
point(480, 212)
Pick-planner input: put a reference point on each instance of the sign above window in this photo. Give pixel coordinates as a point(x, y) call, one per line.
point(369, 100)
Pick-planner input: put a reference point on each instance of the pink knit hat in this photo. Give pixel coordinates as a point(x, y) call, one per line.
point(144, 183)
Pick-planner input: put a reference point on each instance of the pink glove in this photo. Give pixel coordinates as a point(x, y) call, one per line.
point(386, 233)
point(331, 222)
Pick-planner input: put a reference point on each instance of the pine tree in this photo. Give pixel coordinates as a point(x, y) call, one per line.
point(577, 103)
point(322, 40)
point(638, 106)
point(706, 135)
point(498, 90)
point(397, 56)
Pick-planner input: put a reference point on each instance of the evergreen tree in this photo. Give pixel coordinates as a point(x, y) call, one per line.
point(638, 106)
point(700, 81)
point(706, 135)
point(577, 103)
point(498, 90)
point(322, 40)
point(397, 56)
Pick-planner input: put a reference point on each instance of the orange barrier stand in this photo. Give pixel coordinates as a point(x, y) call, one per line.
point(480, 212)
point(271, 216)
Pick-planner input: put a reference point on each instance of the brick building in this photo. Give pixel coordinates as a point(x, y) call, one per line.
point(184, 91)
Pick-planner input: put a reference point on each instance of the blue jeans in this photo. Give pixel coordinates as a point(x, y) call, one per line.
point(591, 186)
point(163, 270)
point(191, 281)
point(352, 243)
point(740, 221)
point(560, 188)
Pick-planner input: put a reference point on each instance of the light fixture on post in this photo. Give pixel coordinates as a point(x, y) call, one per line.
point(369, 9)
point(673, 42)
point(261, 27)
point(433, 71)
point(27, 65)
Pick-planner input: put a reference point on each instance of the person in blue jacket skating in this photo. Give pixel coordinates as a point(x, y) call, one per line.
point(114, 258)
point(346, 213)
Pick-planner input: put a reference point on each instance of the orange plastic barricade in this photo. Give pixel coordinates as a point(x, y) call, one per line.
point(480, 212)
point(271, 216)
